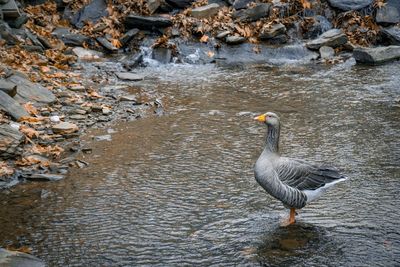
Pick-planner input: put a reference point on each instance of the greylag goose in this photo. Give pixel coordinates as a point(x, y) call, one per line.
point(295, 182)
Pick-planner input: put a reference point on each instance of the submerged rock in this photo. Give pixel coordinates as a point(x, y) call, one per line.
point(205, 11)
point(147, 23)
point(389, 13)
point(332, 38)
point(28, 91)
point(12, 107)
point(19, 259)
point(376, 55)
point(350, 4)
point(10, 139)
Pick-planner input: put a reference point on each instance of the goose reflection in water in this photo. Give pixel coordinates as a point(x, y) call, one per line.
point(293, 245)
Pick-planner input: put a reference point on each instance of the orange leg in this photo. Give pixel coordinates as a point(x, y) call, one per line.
point(291, 219)
point(292, 215)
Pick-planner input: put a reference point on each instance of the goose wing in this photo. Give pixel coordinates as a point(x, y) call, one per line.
point(305, 176)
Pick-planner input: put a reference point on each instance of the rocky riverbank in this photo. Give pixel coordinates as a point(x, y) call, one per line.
point(69, 65)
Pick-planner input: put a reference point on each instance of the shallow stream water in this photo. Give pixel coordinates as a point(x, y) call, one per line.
point(178, 189)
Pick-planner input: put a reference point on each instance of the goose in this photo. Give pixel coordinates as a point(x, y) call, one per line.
point(295, 182)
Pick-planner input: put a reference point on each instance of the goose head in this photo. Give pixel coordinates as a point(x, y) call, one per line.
point(269, 118)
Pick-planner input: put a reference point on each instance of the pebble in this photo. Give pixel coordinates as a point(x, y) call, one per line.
point(55, 118)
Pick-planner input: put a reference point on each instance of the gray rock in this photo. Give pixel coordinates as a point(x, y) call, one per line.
point(18, 22)
point(70, 39)
point(33, 48)
point(129, 76)
point(222, 35)
point(252, 14)
point(391, 35)
point(64, 128)
point(12, 107)
point(162, 55)
point(10, 139)
point(78, 117)
point(45, 177)
point(153, 5)
point(241, 4)
point(273, 31)
point(180, 3)
point(19, 259)
point(92, 12)
point(205, 11)
point(107, 44)
point(133, 61)
point(8, 87)
point(128, 98)
point(29, 91)
point(146, 23)
point(350, 4)
point(33, 38)
point(376, 55)
point(326, 52)
point(389, 13)
point(233, 40)
point(320, 25)
point(332, 38)
point(106, 137)
point(7, 34)
point(128, 36)
point(83, 53)
point(280, 39)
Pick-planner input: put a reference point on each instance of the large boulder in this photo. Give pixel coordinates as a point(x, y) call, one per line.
point(350, 4)
point(28, 91)
point(391, 35)
point(146, 23)
point(254, 13)
point(18, 259)
point(10, 139)
point(376, 55)
point(332, 38)
point(93, 12)
point(389, 13)
point(272, 31)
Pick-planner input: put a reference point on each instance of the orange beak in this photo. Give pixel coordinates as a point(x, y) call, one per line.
point(261, 118)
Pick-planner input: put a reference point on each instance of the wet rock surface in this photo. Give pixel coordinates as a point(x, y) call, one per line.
point(332, 38)
point(19, 259)
point(377, 55)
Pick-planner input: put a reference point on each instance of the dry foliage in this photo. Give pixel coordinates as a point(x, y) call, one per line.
point(5, 169)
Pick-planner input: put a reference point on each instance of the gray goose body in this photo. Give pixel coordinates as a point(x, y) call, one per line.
point(295, 182)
